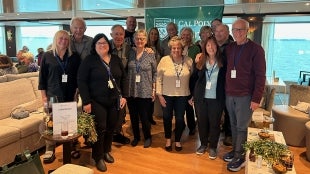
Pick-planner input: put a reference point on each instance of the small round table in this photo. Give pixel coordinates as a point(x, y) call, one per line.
point(67, 144)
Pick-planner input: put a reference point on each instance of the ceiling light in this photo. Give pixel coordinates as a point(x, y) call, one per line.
point(307, 4)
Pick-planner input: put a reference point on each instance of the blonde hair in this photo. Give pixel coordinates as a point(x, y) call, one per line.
point(54, 44)
point(28, 56)
point(177, 40)
point(140, 31)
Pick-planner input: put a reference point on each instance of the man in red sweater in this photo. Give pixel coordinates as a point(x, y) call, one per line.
point(245, 82)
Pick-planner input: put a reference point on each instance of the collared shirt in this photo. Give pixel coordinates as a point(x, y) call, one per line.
point(82, 48)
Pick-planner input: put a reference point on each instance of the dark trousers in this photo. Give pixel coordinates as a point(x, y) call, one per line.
point(120, 121)
point(139, 109)
point(151, 111)
point(176, 104)
point(209, 120)
point(105, 119)
point(226, 124)
point(190, 117)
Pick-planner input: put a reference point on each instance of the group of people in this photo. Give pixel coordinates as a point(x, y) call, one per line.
point(200, 80)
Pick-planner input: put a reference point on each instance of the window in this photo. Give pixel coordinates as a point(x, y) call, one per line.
point(288, 49)
point(35, 37)
point(36, 6)
point(2, 41)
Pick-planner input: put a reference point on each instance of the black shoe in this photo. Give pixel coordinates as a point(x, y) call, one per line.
point(119, 138)
point(49, 157)
point(101, 166)
point(168, 148)
point(153, 122)
point(147, 142)
point(134, 142)
point(108, 158)
point(178, 148)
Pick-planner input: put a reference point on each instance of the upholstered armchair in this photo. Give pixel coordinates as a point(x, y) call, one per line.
point(289, 121)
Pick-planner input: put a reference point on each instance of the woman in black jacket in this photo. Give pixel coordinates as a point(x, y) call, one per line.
point(209, 96)
point(102, 84)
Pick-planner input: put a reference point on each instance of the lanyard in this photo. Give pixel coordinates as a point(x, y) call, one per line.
point(63, 65)
point(236, 59)
point(138, 64)
point(209, 75)
point(107, 68)
point(178, 73)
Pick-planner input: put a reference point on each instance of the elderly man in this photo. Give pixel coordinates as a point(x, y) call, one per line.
point(131, 24)
point(245, 81)
point(172, 30)
point(120, 48)
point(80, 43)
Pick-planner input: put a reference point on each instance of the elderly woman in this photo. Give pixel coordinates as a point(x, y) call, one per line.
point(6, 65)
point(29, 62)
point(204, 33)
point(142, 78)
point(58, 77)
point(102, 85)
point(172, 89)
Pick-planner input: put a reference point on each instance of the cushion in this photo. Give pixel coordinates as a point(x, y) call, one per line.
point(12, 77)
point(3, 79)
point(302, 106)
point(15, 93)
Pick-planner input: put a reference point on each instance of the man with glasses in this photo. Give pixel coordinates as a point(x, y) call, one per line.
point(245, 82)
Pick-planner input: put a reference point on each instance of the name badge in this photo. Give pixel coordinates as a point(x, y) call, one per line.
point(110, 84)
point(208, 85)
point(233, 74)
point(64, 78)
point(138, 78)
point(178, 83)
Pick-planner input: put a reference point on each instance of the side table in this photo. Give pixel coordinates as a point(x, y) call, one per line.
point(66, 142)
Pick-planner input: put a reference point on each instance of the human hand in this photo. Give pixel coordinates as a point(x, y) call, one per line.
point(254, 106)
point(122, 102)
point(87, 108)
point(198, 57)
point(162, 101)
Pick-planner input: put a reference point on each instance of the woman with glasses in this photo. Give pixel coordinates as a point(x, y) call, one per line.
point(141, 78)
point(209, 96)
point(103, 86)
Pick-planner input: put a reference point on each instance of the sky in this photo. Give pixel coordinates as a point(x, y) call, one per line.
point(289, 31)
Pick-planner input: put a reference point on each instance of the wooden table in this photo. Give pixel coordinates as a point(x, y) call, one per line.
point(250, 167)
point(67, 144)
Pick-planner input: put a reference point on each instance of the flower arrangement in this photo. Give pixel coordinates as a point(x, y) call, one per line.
point(86, 126)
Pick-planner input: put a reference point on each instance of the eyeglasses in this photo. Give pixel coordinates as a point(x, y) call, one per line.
point(238, 29)
point(102, 43)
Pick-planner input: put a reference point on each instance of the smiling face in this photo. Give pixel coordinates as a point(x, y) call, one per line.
point(118, 35)
point(78, 29)
point(140, 39)
point(102, 47)
point(240, 30)
point(154, 35)
point(62, 41)
point(211, 47)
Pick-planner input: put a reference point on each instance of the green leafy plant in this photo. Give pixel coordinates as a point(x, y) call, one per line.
point(270, 151)
point(86, 126)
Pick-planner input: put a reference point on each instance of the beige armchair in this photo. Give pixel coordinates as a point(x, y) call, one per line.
point(290, 121)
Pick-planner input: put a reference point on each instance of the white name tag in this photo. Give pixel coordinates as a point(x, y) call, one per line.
point(178, 83)
point(208, 85)
point(110, 84)
point(233, 74)
point(138, 78)
point(64, 78)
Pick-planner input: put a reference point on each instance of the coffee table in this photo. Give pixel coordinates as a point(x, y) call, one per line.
point(251, 167)
point(66, 142)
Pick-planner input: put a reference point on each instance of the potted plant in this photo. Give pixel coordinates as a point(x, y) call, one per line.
point(86, 126)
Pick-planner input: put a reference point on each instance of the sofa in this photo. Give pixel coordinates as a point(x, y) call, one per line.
point(291, 121)
point(16, 135)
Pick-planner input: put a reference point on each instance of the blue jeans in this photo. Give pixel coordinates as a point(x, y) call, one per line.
point(176, 104)
point(240, 116)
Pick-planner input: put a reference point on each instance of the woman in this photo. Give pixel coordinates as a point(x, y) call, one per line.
point(204, 33)
point(58, 77)
point(142, 78)
point(172, 89)
point(102, 86)
point(6, 65)
point(209, 96)
point(29, 62)
point(153, 42)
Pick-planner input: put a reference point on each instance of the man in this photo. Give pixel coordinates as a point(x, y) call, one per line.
point(120, 48)
point(245, 81)
point(131, 24)
point(172, 30)
point(80, 43)
point(222, 37)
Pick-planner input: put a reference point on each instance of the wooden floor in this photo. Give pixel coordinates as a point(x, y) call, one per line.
point(155, 160)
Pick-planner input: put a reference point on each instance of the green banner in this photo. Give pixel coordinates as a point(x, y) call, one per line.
point(194, 17)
